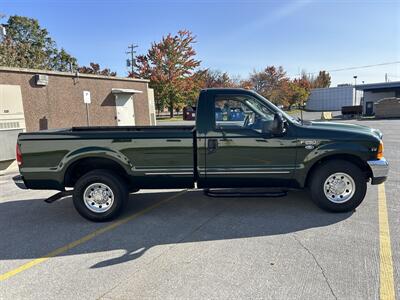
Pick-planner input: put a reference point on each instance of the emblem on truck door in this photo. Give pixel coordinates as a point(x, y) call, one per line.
point(310, 144)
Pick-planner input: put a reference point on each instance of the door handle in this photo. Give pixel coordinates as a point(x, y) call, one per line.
point(212, 145)
point(173, 140)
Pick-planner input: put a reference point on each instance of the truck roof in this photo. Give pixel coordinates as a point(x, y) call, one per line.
point(227, 89)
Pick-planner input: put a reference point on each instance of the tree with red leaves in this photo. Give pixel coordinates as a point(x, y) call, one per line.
point(273, 84)
point(170, 65)
point(96, 70)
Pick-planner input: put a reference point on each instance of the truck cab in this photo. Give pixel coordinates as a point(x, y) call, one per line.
point(239, 142)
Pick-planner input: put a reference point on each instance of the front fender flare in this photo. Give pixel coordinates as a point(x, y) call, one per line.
point(329, 150)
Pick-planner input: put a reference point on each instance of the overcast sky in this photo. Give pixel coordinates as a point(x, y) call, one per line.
point(233, 36)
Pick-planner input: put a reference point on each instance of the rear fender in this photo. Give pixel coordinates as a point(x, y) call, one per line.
point(96, 152)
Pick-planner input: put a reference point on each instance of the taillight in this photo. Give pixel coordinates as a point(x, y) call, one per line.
point(18, 155)
point(379, 155)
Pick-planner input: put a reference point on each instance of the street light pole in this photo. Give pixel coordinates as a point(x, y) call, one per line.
point(355, 89)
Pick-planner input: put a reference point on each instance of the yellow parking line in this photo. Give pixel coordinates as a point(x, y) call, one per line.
point(84, 239)
point(385, 252)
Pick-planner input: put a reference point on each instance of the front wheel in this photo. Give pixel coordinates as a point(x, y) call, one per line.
point(100, 195)
point(338, 186)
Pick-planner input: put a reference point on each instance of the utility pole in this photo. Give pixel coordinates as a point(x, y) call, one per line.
point(132, 52)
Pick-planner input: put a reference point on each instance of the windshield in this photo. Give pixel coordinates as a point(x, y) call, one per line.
point(277, 109)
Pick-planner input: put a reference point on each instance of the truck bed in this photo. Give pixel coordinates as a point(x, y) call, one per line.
point(163, 154)
point(134, 128)
point(107, 132)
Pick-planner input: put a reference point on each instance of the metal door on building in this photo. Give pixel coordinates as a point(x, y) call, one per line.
point(125, 110)
point(12, 119)
point(369, 108)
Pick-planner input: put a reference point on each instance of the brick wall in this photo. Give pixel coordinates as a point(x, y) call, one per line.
point(60, 103)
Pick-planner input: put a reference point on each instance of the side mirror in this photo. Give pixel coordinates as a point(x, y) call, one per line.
point(278, 125)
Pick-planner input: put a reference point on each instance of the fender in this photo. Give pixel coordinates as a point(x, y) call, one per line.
point(95, 152)
point(341, 148)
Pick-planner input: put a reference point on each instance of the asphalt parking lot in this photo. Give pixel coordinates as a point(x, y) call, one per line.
point(183, 244)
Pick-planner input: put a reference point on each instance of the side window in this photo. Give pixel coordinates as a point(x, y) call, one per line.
point(230, 113)
point(234, 112)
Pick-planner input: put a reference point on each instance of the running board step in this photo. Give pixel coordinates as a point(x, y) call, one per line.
point(225, 193)
point(58, 196)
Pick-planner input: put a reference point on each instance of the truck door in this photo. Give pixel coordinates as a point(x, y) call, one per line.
point(238, 154)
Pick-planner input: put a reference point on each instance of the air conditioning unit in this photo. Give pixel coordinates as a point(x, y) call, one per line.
point(42, 80)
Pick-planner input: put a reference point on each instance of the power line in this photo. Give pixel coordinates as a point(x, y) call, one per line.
point(364, 67)
point(355, 68)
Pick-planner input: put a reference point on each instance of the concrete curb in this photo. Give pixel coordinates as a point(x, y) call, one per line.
point(13, 168)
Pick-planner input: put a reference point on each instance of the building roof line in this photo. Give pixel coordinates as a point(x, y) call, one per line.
point(334, 87)
point(379, 85)
point(70, 74)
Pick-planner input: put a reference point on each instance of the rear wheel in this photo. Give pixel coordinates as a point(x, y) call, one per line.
point(100, 195)
point(338, 186)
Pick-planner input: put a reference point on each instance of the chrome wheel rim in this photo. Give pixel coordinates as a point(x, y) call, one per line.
point(98, 197)
point(339, 187)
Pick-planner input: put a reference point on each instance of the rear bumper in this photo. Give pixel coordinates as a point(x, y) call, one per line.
point(380, 170)
point(19, 182)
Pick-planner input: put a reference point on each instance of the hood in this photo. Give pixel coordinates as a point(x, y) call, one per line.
point(347, 127)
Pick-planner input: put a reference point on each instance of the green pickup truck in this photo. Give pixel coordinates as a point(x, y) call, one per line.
point(240, 140)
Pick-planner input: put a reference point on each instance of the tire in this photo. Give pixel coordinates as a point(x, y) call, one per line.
point(100, 195)
point(338, 186)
